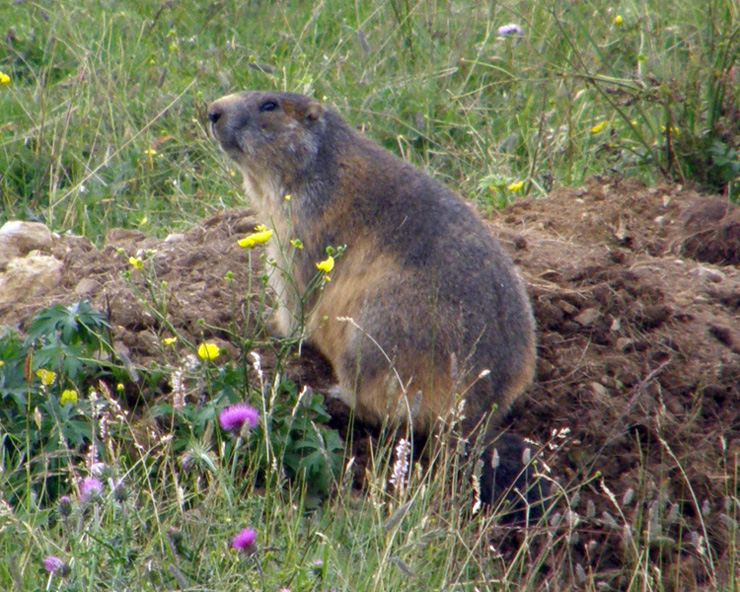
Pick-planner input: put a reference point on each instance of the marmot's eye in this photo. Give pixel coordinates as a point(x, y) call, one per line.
point(268, 106)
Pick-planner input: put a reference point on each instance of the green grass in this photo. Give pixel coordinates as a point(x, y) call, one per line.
point(102, 126)
point(94, 85)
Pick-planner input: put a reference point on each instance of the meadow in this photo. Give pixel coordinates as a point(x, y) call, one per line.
point(103, 125)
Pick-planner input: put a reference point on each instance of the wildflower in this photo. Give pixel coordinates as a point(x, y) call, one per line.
point(64, 506)
point(288, 197)
point(233, 418)
point(599, 127)
point(54, 565)
point(99, 470)
point(261, 236)
point(178, 389)
point(318, 568)
point(510, 29)
point(618, 20)
point(169, 340)
point(401, 465)
point(91, 488)
point(4, 79)
point(516, 187)
point(91, 458)
point(326, 265)
point(47, 377)
point(136, 262)
point(245, 540)
point(120, 492)
point(208, 351)
point(150, 152)
point(296, 242)
point(70, 397)
point(120, 388)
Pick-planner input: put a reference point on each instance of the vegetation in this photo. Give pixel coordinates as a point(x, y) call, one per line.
point(102, 125)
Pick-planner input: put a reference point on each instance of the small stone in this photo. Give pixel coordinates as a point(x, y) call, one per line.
point(587, 317)
point(710, 275)
point(86, 286)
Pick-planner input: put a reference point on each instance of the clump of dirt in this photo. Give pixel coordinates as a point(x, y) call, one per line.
point(636, 292)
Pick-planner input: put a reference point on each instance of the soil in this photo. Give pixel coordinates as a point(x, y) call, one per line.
point(636, 292)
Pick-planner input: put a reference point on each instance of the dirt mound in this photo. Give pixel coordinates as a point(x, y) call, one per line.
point(637, 297)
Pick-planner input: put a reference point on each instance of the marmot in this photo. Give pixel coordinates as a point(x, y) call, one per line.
point(437, 309)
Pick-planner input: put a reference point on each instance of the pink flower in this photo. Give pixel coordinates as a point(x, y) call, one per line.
point(54, 565)
point(91, 488)
point(232, 418)
point(245, 540)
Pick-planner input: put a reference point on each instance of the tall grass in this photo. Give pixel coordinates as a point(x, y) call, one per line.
point(643, 89)
point(102, 125)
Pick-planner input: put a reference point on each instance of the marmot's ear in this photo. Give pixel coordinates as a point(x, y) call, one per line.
point(314, 110)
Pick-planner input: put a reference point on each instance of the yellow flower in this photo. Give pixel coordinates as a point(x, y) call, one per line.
point(516, 187)
point(599, 127)
point(136, 262)
point(169, 340)
point(288, 196)
point(618, 20)
point(150, 152)
point(120, 388)
point(257, 238)
point(296, 242)
point(208, 351)
point(47, 376)
point(4, 79)
point(69, 397)
point(326, 265)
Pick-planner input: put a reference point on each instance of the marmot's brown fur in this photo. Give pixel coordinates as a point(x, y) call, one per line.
point(437, 308)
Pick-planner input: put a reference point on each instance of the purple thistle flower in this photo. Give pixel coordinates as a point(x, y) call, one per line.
point(64, 506)
point(318, 568)
point(245, 540)
point(510, 29)
point(54, 565)
point(90, 488)
point(234, 417)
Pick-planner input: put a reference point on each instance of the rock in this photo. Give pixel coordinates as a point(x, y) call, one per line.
point(27, 277)
point(86, 286)
point(588, 317)
point(18, 238)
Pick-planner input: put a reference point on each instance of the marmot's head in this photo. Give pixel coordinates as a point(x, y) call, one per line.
point(274, 134)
